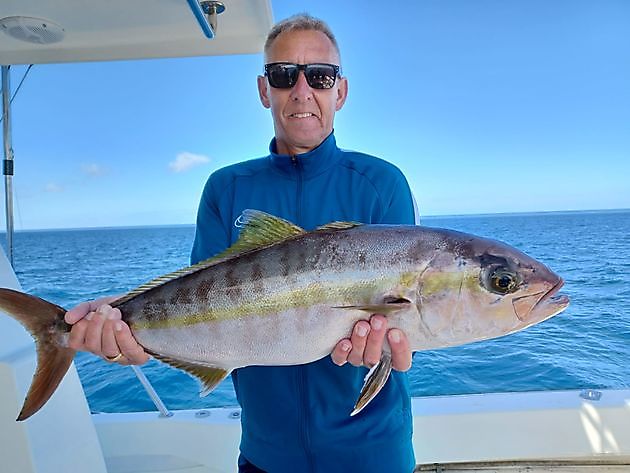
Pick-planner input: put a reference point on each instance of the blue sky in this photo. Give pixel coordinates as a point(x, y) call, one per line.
point(486, 106)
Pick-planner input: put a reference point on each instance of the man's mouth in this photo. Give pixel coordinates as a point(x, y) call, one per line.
point(301, 115)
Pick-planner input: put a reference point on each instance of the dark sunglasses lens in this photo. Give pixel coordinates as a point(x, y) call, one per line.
point(282, 76)
point(320, 76)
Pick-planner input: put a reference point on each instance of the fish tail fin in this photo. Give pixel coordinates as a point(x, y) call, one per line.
point(42, 319)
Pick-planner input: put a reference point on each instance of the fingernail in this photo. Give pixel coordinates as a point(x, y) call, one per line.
point(345, 346)
point(118, 326)
point(377, 324)
point(394, 336)
point(111, 315)
point(362, 330)
point(89, 316)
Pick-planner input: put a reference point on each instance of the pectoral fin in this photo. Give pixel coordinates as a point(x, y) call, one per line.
point(374, 382)
point(208, 376)
point(385, 308)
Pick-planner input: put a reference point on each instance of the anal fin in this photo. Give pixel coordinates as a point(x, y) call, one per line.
point(208, 376)
point(374, 382)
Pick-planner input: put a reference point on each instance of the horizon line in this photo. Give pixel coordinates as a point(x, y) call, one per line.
point(170, 225)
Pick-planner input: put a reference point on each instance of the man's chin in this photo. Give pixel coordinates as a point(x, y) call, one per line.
point(298, 143)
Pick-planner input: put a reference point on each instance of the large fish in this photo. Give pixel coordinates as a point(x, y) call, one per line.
point(284, 296)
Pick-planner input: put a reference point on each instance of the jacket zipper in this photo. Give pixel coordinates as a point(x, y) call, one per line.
point(298, 170)
point(301, 375)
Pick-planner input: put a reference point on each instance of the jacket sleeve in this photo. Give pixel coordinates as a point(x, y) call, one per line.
point(400, 208)
point(211, 234)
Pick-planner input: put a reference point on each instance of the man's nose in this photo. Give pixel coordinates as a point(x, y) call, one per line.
point(301, 90)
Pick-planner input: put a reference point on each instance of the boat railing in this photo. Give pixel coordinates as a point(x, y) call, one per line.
point(148, 387)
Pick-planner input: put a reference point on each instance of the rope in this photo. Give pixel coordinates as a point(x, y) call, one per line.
point(18, 88)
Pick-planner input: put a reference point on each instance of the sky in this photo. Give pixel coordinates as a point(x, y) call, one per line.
point(487, 106)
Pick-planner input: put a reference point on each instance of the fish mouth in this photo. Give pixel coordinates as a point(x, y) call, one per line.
point(548, 304)
point(553, 298)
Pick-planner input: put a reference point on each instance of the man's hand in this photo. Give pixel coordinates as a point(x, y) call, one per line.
point(365, 345)
point(98, 328)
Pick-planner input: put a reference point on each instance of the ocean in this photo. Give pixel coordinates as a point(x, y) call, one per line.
point(587, 346)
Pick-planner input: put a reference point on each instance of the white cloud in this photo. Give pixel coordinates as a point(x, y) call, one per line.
point(93, 169)
point(52, 187)
point(185, 161)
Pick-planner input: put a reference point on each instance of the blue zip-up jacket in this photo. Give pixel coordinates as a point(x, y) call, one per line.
point(296, 418)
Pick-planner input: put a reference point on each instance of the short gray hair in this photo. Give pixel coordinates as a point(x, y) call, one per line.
point(300, 22)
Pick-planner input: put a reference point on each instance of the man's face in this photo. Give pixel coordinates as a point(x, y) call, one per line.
point(302, 116)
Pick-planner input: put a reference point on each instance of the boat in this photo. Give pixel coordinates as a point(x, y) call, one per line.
point(549, 431)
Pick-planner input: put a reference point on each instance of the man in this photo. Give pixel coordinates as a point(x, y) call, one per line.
point(296, 418)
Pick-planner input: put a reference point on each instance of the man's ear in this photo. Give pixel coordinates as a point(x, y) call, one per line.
point(263, 91)
point(342, 92)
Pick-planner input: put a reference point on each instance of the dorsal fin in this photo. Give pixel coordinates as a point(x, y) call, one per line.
point(337, 226)
point(258, 229)
point(261, 229)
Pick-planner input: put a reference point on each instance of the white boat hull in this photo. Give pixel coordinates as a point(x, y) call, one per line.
point(534, 431)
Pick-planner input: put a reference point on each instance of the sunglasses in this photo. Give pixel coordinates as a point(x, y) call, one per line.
point(284, 75)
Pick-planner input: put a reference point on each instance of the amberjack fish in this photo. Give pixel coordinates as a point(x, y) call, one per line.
point(284, 296)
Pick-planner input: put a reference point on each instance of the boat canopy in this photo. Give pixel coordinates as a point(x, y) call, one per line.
point(50, 31)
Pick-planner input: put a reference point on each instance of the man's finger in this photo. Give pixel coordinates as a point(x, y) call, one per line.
point(374, 345)
point(358, 341)
point(84, 308)
point(76, 340)
point(340, 354)
point(401, 354)
point(77, 313)
point(94, 334)
point(129, 347)
point(109, 345)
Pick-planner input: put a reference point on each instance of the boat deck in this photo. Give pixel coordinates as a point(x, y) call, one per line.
point(139, 465)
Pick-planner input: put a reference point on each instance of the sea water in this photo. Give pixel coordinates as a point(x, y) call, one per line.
point(588, 345)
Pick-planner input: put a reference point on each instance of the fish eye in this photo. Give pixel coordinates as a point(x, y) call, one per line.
point(503, 281)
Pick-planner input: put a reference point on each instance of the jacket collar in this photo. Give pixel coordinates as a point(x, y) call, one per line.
point(307, 164)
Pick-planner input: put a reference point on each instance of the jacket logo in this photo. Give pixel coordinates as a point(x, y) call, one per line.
point(240, 221)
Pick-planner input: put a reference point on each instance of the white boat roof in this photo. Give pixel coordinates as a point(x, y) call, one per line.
point(96, 30)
